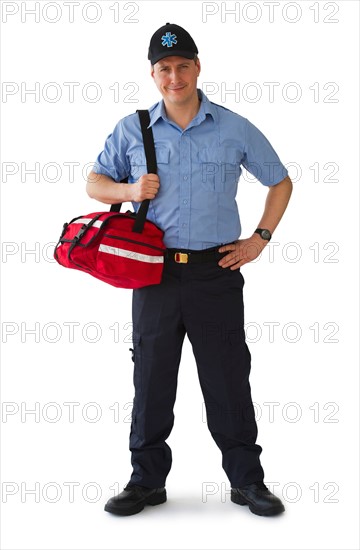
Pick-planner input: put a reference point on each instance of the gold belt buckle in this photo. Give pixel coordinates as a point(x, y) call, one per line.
point(181, 258)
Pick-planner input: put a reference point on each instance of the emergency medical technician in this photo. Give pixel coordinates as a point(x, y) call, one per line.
point(200, 148)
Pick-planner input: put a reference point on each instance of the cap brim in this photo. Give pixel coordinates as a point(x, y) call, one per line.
point(180, 53)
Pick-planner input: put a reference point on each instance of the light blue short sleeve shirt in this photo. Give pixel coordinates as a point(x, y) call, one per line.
point(198, 168)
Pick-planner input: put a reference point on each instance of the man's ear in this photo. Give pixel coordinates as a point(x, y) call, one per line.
point(152, 70)
point(198, 66)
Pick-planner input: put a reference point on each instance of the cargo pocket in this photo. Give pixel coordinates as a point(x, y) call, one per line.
point(136, 358)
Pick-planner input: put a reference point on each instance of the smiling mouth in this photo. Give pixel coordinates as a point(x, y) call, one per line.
point(176, 89)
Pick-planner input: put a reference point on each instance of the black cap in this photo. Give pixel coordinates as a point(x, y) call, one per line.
point(171, 40)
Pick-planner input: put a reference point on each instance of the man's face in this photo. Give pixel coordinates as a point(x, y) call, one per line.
point(176, 78)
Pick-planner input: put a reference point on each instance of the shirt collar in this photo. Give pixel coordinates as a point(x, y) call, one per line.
point(158, 110)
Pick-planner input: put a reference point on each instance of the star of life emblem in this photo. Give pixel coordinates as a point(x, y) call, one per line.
point(168, 39)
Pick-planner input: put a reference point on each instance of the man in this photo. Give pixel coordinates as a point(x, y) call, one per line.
point(200, 147)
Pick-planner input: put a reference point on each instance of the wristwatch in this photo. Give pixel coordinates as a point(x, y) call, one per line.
point(264, 233)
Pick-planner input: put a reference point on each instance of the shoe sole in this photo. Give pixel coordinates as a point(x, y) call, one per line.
point(238, 499)
point(152, 500)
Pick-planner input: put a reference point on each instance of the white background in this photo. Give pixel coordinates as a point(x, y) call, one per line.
point(307, 376)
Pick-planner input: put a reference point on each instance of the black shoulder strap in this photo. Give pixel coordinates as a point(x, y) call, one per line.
point(149, 146)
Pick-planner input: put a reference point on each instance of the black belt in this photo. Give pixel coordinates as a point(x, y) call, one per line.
point(184, 256)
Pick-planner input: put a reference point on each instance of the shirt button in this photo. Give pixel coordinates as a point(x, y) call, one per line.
point(185, 201)
point(185, 178)
point(184, 224)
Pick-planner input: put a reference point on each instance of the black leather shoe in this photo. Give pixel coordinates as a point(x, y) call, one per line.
point(133, 499)
point(260, 500)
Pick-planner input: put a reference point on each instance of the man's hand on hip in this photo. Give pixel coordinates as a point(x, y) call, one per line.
point(242, 252)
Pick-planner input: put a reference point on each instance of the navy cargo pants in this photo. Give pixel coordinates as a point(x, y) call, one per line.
point(204, 301)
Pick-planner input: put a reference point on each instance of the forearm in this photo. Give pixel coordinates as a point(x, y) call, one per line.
point(276, 202)
point(106, 190)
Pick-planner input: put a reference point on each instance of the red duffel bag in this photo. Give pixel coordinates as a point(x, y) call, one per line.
point(104, 245)
point(122, 249)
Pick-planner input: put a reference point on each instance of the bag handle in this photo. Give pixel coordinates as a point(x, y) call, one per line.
point(148, 139)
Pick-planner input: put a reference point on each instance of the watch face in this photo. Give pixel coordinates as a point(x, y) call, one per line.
point(265, 234)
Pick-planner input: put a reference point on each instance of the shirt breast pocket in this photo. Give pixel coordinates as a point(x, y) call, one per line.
point(137, 160)
point(219, 168)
